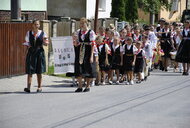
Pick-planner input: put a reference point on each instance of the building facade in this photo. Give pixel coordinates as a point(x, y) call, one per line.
point(77, 9)
point(34, 9)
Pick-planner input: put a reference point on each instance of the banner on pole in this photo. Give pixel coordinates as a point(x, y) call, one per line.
point(64, 55)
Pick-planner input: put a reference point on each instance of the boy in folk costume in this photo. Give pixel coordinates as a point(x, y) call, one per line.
point(152, 38)
point(117, 51)
point(103, 51)
point(85, 66)
point(148, 54)
point(129, 58)
point(140, 60)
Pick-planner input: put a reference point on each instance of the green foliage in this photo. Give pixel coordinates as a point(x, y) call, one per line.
point(118, 9)
point(131, 10)
point(153, 6)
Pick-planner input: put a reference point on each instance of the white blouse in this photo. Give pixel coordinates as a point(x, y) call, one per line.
point(115, 47)
point(92, 35)
point(129, 47)
point(37, 35)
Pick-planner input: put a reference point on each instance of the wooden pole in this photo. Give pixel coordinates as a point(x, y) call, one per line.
point(96, 16)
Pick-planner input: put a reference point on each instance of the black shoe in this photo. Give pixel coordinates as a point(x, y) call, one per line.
point(183, 73)
point(39, 90)
point(186, 73)
point(78, 90)
point(86, 90)
point(166, 70)
point(145, 78)
point(27, 90)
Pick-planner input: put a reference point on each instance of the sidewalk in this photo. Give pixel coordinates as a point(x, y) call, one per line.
point(18, 83)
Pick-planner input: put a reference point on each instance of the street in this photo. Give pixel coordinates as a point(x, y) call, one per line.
point(160, 102)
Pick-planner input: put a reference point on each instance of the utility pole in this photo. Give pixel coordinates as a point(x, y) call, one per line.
point(15, 9)
point(96, 16)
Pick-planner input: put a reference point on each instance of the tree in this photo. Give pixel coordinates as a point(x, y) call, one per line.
point(131, 10)
point(118, 9)
point(153, 6)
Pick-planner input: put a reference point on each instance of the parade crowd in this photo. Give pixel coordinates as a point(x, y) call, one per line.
point(130, 54)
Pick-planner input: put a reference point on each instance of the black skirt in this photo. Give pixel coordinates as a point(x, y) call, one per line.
point(139, 63)
point(86, 69)
point(127, 63)
point(35, 61)
point(167, 48)
point(183, 53)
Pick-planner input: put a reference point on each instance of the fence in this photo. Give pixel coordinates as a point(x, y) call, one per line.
point(12, 52)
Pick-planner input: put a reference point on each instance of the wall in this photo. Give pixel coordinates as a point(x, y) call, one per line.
point(90, 12)
point(26, 5)
point(176, 16)
point(143, 16)
point(67, 8)
point(6, 15)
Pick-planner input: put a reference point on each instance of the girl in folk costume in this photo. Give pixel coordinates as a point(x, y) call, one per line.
point(129, 58)
point(85, 66)
point(137, 35)
point(101, 32)
point(109, 42)
point(117, 51)
point(148, 54)
point(140, 60)
point(177, 40)
point(103, 50)
point(167, 45)
point(35, 59)
point(123, 34)
point(183, 53)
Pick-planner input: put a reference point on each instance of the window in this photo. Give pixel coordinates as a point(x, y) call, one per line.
point(102, 5)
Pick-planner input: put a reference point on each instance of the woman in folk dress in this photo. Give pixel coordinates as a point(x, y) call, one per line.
point(35, 59)
point(85, 66)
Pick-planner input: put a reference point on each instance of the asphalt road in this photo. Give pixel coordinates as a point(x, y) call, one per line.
point(163, 101)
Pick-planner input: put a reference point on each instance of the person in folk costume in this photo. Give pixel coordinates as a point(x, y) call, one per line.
point(148, 54)
point(160, 27)
point(85, 66)
point(137, 35)
point(152, 38)
point(123, 34)
point(183, 53)
point(112, 27)
point(117, 53)
point(104, 66)
point(109, 41)
point(140, 61)
point(167, 45)
point(94, 80)
point(101, 32)
point(177, 41)
point(129, 58)
point(35, 59)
